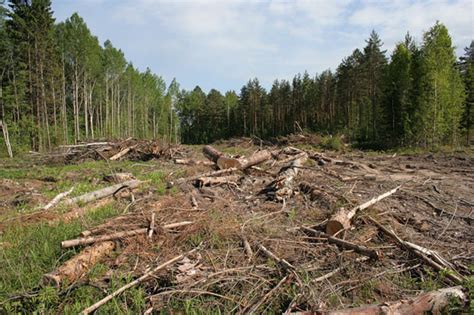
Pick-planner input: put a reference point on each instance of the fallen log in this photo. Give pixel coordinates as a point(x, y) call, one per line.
point(114, 236)
point(78, 265)
point(90, 144)
point(341, 220)
point(430, 257)
point(282, 187)
point(57, 199)
point(147, 275)
point(208, 174)
point(371, 253)
point(103, 192)
point(211, 153)
point(255, 159)
point(434, 302)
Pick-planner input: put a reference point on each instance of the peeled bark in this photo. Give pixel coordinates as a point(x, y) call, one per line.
point(342, 219)
point(78, 265)
point(434, 302)
point(104, 192)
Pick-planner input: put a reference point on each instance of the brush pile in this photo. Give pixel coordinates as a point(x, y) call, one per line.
point(129, 149)
point(285, 230)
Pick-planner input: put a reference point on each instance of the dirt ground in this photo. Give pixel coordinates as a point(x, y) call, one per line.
point(234, 222)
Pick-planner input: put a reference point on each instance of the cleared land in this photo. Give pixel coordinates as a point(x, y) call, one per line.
point(247, 239)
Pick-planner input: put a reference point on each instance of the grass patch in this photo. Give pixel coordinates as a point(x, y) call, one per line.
point(32, 250)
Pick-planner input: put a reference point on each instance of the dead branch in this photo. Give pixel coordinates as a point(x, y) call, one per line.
point(286, 265)
point(341, 220)
point(78, 265)
point(254, 308)
point(144, 277)
point(430, 257)
point(57, 199)
point(345, 244)
point(114, 236)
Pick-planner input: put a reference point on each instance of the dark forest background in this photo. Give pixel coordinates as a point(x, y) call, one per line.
point(60, 85)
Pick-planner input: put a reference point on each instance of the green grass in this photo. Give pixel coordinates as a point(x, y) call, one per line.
point(30, 251)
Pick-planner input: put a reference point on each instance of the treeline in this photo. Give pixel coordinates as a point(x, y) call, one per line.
point(422, 96)
point(59, 85)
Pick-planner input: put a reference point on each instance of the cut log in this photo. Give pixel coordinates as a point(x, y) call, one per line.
point(430, 257)
point(434, 302)
point(6, 137)
point(147, 275)
point(114, 236)
point(90, 144)
point(282, 187)
point(78, 265)
point(255, 159)
point(104, 192)
point(211, 153)
point(121, 153)
point(57, 199)
point(214, 181)
point(341, 220)
point(371, 253)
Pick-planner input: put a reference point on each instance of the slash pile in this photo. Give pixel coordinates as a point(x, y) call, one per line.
point(288, 230)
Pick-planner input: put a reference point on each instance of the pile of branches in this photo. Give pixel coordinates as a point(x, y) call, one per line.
point(129, 149)
point(233, 234)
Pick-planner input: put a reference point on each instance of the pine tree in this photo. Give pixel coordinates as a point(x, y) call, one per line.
point(467, 71)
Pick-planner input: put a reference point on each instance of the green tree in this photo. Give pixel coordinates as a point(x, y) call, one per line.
point(467, 71)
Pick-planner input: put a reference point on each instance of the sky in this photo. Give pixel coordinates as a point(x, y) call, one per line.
point(223, 43)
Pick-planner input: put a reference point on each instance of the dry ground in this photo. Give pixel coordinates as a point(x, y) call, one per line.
point(434, 208)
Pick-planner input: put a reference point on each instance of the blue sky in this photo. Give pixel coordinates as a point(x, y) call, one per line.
point(222, 44)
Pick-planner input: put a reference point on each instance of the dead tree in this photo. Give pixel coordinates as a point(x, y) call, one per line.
point(6, 137)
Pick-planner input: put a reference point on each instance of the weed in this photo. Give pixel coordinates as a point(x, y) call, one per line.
point(331, 143)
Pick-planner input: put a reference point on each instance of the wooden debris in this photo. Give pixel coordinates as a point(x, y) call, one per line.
point(122, 153)
point(57, 199)
point(78, 265)
point(144, 277)
point(193, 162)
point(211, 153)
point(282, 262)
point(152, 225)
point(432, 258)
point(117, 235)
point(215, 181)
point(371, 253)
point(282, 187)
point(103, 192)
point(341, 220)
point(6, 137)
point(255, 159)
point(434, 302)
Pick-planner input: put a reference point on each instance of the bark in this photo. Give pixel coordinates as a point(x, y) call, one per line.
point(78, 265)
point(122, 153)
point(342, 219)
point(192, 162)
point(282, 187)
point(211, 153)
point(118, 235)
point(257, 158)
point(104, 192)
point(434, 302)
